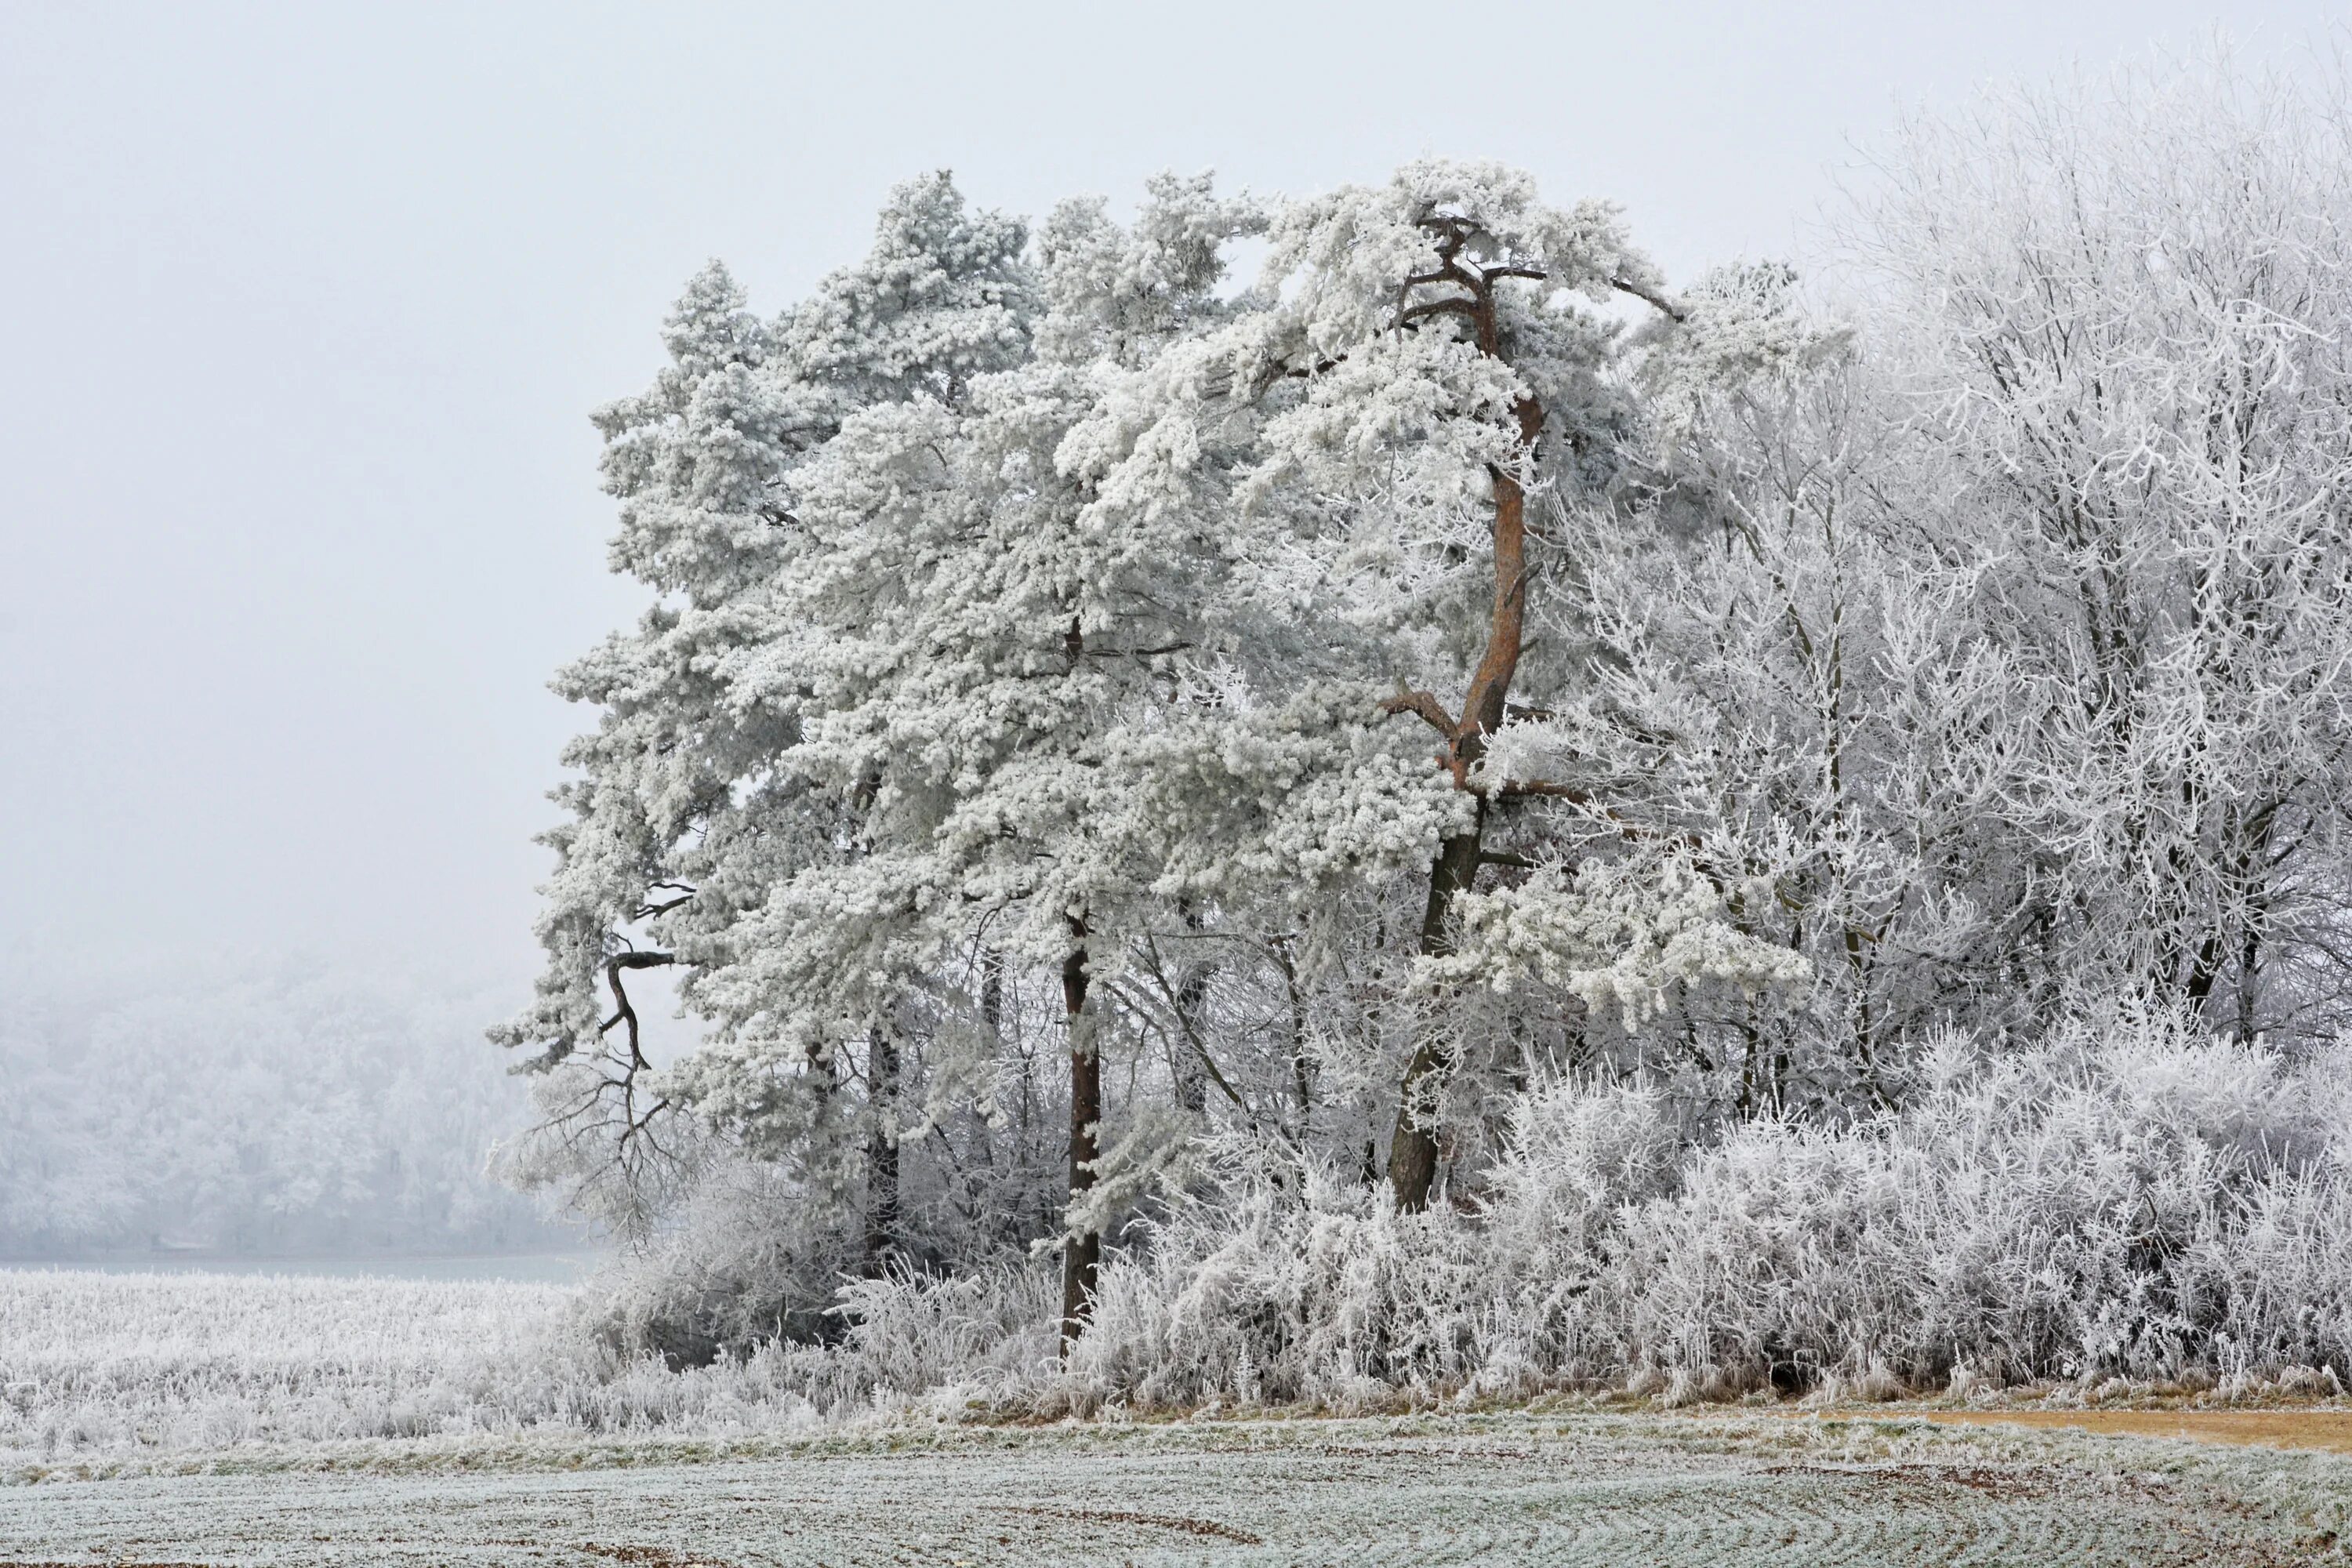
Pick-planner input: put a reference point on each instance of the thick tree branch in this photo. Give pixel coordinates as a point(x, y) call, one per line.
point(1455, 306)
point(1511, 788)
point(1136, 652)
point(1425, 704)
point(1651, 298)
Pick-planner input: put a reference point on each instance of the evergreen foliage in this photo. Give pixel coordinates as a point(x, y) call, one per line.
point(1478, 817)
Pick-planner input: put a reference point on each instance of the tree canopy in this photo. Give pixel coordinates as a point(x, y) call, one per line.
point(1098, 713)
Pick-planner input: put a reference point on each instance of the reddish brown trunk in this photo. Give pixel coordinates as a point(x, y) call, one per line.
point(1412, 1148)
point(1081, 1253)
point(1507, 628)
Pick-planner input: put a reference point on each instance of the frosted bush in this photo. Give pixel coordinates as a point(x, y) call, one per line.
point(1312, 1290)
point(2127, 1200)
point(748, 1259)
point(989, 1335)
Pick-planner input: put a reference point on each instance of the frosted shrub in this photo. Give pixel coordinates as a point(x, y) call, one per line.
point(1319, 1290)
point(748, 1260)
point(2128, 1198)
point(1578, 1157)
point(989, 1335)
point(2284, 1290)
point(2125, 1200)
point(1311, 1289)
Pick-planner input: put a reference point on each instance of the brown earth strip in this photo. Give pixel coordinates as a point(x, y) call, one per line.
point(650, 1556)
point(1206, 1527)
point(2328, 1430)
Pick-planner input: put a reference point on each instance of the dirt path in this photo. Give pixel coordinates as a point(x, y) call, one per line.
point(2329, 1431)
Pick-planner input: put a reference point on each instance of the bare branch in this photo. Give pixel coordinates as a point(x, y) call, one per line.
point(625, 1013)
point(1651, 298)
point(1510, 788)
point(1425, 704)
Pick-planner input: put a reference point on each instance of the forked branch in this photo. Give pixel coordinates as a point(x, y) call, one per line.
point(622, 1012)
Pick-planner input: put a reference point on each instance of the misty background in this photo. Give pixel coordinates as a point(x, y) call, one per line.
point(303, 312)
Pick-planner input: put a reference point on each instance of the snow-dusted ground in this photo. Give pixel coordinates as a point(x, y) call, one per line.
point(1586, 1490)
point(98, 1363)
point(176, 1419)
point(94, 1367)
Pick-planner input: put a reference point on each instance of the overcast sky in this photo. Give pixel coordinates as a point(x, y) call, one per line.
point(302, 310)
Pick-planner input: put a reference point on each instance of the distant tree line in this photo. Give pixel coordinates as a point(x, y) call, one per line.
point(270, 1112)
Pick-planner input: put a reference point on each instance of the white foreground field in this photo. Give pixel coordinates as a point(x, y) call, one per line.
point(187, 1419)
point(95, 1365)
point(1506, 1490)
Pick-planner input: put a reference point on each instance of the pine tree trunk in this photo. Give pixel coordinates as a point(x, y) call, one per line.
point(1192, 1016)
point(1082, 1253)
point(881, 1150)
point(1412, 1147)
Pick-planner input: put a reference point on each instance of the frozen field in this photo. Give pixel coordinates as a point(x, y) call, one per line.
point(183, 1419)
point(96, 1366)
point(1586, 1489)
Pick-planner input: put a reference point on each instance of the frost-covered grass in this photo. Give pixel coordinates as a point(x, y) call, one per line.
point(1522, 1489)
point(108, 1364)
point(97, 1366)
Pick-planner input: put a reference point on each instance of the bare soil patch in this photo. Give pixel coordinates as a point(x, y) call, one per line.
point(2328, 1430)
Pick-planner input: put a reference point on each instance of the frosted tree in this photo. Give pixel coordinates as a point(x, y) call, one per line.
point(1432, 397)
point(1036, 614)
point(1015, 621)
point(685, 820)
point(884, 749)
point(1773, 685)
point(2002, 655)
point(2119, 339)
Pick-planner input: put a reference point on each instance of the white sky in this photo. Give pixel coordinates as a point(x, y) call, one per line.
point(302, 309)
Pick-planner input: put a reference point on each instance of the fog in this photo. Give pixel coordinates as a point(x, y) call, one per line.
point(304, 312)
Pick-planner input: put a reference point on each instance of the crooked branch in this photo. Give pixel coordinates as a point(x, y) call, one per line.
point(624, 1012)
point(1426, 704)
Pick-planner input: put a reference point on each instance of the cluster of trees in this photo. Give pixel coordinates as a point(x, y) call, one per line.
point(1092, 710)
point(270, 1111)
